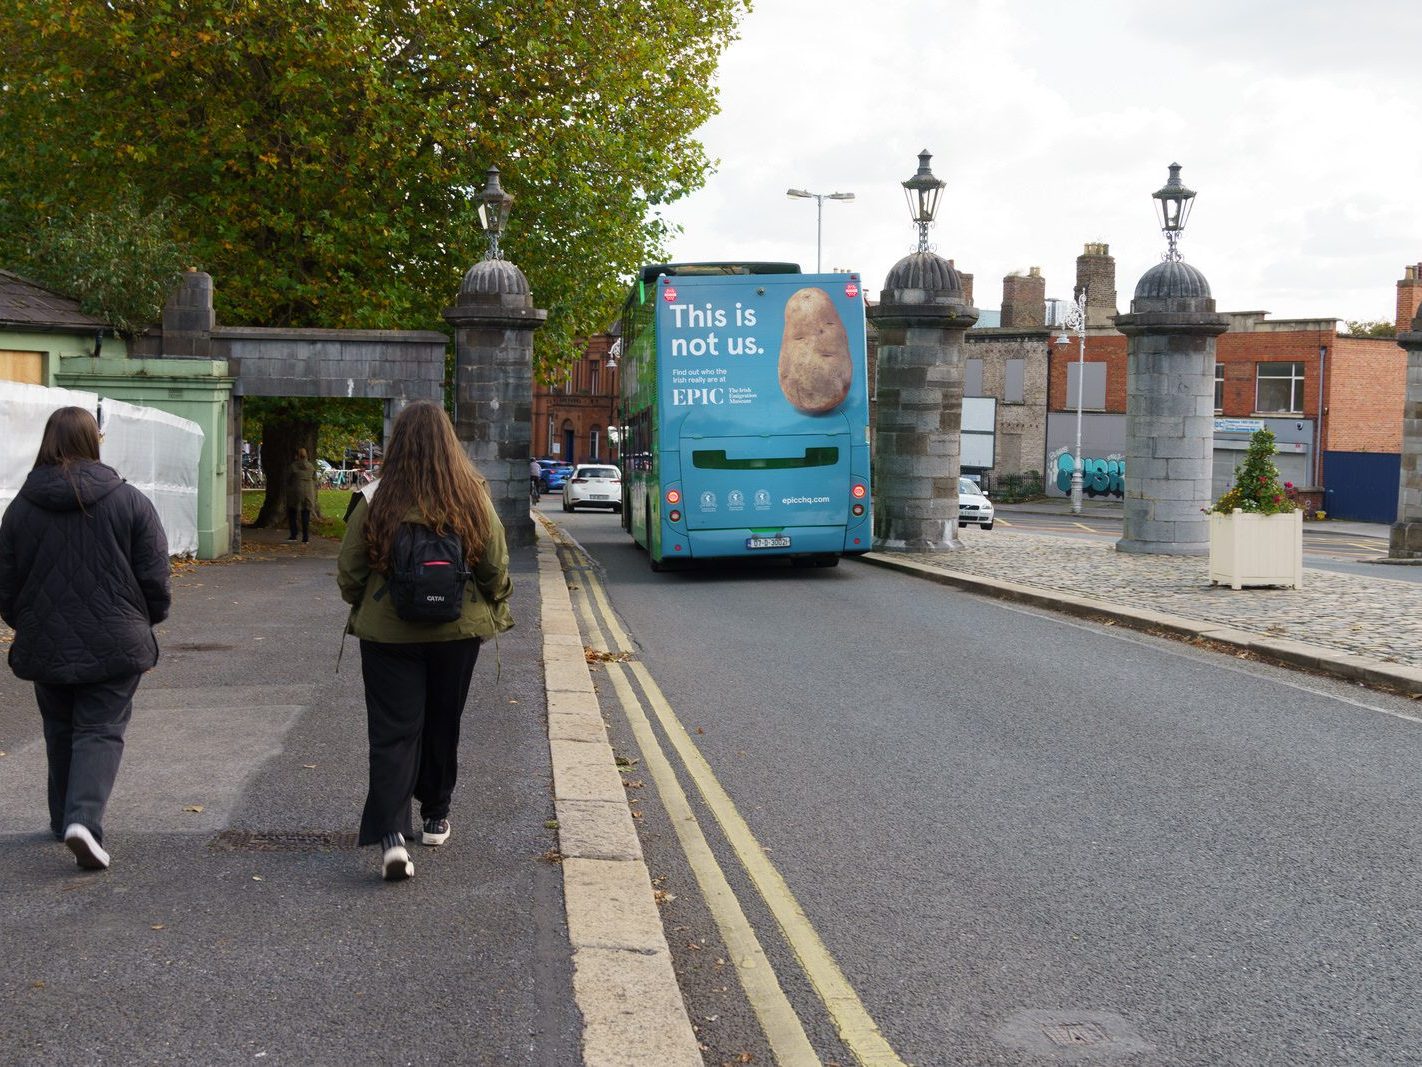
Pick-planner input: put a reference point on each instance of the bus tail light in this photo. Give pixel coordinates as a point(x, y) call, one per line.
point(859, 491)
point(858, 509)
point(673, 496)
point(673, 515)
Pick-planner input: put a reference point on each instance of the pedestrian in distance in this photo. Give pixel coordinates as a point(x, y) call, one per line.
point(83, 580)
point(300, 495)
point(428, 533)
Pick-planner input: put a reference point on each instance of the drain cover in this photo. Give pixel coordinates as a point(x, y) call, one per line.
point(1071, 1036)
point(283, 840)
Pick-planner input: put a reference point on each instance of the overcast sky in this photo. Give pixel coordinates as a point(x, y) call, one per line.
point(1299, 124)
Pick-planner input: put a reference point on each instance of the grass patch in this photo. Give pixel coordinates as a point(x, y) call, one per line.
point(333, 504)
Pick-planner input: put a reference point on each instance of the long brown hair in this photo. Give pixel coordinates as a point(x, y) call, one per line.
point(70, 436)
point(426, 471)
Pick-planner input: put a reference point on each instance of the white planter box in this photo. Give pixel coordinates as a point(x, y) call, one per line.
point(1248, 549)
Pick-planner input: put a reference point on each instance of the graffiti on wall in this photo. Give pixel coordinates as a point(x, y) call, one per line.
point(1099, 477)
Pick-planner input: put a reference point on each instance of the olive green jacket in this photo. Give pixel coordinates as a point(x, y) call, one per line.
point(486, 606)
point(301, 485)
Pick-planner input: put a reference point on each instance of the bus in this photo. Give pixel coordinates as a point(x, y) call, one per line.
point(745, 414)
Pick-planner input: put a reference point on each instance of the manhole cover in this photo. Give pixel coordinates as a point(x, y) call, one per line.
point(198, 647)
point(283, 840)
point(1074, 1035)
point(1068, 1035)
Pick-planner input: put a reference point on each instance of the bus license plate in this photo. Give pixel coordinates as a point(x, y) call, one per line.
point(767, 542)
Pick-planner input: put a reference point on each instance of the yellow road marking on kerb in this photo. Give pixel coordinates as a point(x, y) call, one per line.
point(1083, 526)
point(777, 1018)
point(858, 1031)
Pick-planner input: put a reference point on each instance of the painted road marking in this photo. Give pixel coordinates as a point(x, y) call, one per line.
point(772, 1007)
point(856, 1028)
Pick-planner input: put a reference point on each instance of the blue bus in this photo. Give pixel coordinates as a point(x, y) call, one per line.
point(745, 414)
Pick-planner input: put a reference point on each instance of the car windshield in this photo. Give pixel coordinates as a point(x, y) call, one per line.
point(597, 472)
point(968, 487)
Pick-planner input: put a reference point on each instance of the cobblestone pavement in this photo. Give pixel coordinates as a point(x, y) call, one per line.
point(1377, 617)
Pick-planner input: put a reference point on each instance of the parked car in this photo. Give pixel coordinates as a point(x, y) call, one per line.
point(593, 485)
point(973, 504)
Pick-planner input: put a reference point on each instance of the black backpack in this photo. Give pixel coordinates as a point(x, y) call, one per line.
point(427, 574)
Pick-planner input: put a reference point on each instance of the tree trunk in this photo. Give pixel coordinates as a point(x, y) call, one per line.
point(280, 440)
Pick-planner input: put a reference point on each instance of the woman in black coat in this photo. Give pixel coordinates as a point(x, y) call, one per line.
point(83, 581)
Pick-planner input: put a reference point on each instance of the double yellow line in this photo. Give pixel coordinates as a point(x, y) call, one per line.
point(782, 1026)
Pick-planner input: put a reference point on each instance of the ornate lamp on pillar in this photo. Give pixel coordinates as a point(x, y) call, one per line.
point(494, 319)
point(921, 316)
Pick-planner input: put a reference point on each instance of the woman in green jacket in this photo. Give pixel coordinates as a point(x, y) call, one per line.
point(300, 495)
point(417, 673)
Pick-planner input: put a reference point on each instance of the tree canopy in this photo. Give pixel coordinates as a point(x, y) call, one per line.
point(319, 157)
point(1372, 328)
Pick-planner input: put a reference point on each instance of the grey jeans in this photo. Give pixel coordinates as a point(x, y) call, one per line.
point(83, 737)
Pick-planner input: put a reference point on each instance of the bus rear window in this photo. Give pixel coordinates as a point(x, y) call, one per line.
point(715, 460)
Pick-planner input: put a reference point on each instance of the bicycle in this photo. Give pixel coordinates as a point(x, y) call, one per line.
point(533, 494)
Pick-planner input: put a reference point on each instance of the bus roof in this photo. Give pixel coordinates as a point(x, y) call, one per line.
point(653, 271)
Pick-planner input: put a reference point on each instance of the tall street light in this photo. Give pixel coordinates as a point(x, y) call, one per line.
point(1076, 320)
point(819, 199)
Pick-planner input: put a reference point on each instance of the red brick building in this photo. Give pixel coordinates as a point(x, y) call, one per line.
point(1267, 374)
point(573, 412)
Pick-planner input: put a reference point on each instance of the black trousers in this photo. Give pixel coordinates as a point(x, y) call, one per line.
point(83, 739)
point(305, 523)
point(414, 699)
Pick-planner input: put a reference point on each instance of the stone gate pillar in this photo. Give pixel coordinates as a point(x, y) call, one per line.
point(494, 319)
point(1170, 411)
point(921, 318)
point(1406, 539)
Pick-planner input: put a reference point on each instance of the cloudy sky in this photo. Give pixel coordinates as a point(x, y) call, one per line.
point(1299, 124)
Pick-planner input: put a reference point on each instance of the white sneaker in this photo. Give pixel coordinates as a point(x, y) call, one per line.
point(434, 832)
point(87, 851)
point(396, 864)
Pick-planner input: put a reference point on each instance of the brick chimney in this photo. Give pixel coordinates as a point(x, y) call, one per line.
point(1096, 269)
point(1409, 295)
point(967, 280)
point(1024, 300)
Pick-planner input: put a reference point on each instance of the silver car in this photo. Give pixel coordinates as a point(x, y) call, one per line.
point(593, 485)
point(973, 505)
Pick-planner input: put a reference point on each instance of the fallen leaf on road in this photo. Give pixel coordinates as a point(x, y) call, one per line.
point(155, 926)
point(36, 985)
point(258, 878)
point(195, 808)
point(309, 766)
point(699, 730)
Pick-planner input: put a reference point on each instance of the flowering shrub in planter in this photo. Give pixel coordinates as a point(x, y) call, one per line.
point(1256, 528)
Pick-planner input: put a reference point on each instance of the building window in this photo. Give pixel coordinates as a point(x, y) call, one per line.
point(1219, 387)
point(594, 443)
point(1014, 389)
point(1279, 387)
point(1093, 395)
point(973, 377)
point(594, 389)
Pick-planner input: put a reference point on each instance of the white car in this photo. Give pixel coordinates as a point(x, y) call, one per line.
point(973, 505)
point(593, 485)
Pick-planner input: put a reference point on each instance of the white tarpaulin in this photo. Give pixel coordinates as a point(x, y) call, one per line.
point(156, 452)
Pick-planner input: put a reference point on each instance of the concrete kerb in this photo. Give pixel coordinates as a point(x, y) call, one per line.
point(623, 980)
point(1394, 676)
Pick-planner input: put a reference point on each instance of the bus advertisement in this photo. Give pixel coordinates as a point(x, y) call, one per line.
point(745, 404)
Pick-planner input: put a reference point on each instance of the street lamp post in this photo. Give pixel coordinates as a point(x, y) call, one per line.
point(819, 199)
point(1076, 320)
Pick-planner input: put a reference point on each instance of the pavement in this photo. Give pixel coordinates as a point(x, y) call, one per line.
point(240, 924)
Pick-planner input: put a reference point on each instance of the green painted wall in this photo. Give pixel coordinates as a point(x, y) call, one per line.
point(196, 389)
point(57, 347)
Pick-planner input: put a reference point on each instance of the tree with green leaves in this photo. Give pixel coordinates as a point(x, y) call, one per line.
point(117, 260)
point(320, 159)
point(1372, 328)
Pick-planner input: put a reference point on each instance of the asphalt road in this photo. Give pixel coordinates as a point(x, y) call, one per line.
point(1348, 553)
point(1020, 838)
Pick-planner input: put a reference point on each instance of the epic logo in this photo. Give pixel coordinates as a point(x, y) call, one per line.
point(689, 397)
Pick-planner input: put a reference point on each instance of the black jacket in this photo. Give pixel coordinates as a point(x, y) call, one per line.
point(83, 576)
